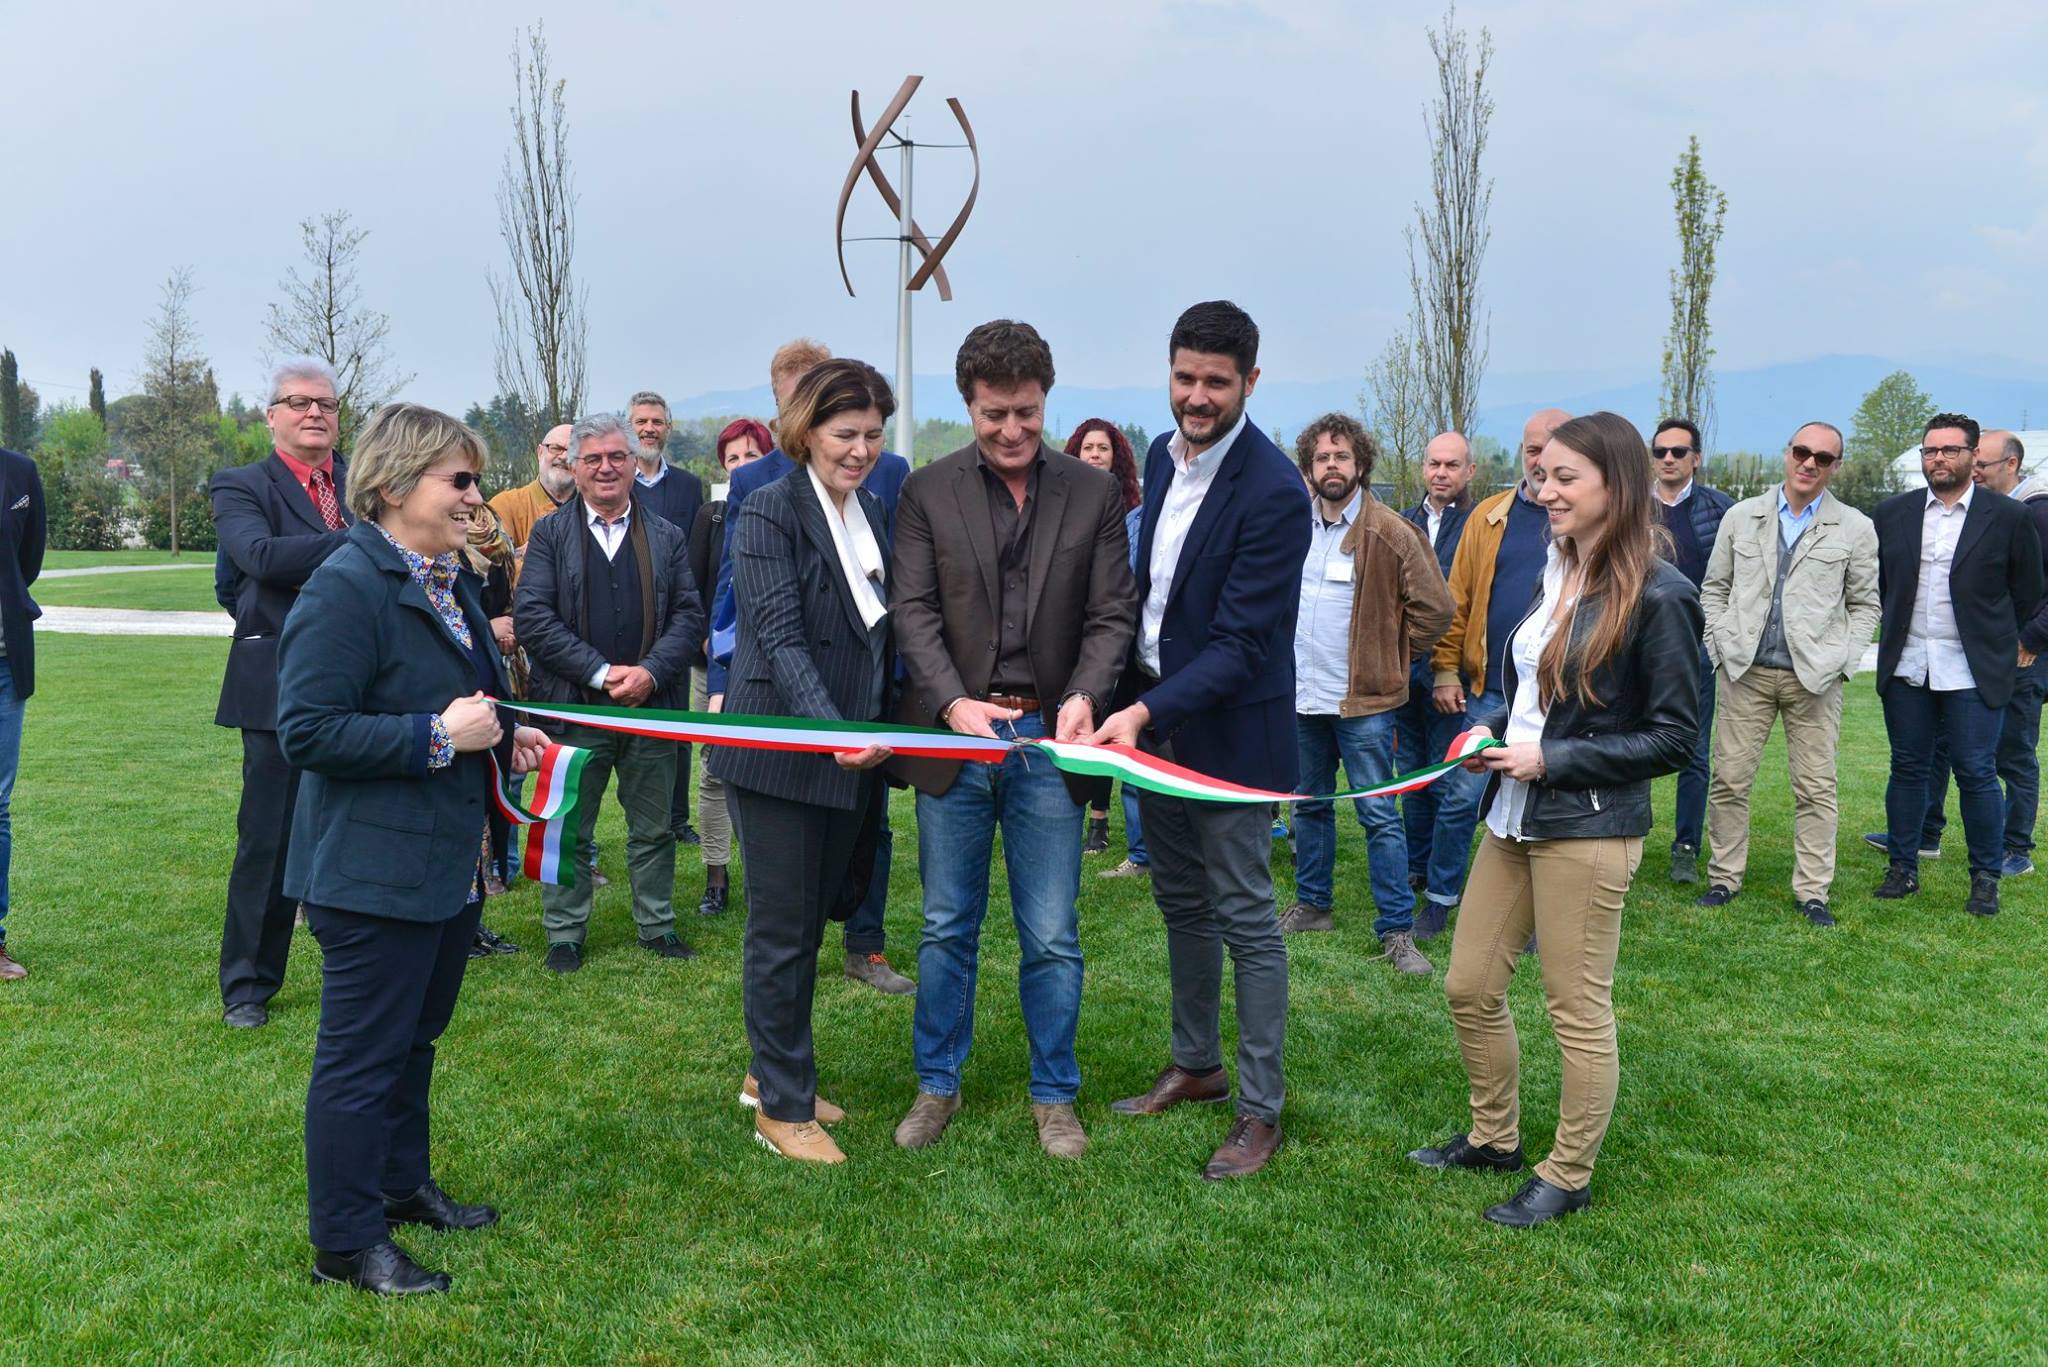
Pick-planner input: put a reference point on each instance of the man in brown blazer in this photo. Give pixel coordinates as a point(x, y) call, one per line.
point(1014, 608)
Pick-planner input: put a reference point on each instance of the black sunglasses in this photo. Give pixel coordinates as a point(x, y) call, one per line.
point(1823, 459)
point(1670, 452)
point(463, 480)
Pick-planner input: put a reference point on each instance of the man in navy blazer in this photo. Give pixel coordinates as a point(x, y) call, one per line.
point(1211, 679)
point(277, 518)
point(22, 529)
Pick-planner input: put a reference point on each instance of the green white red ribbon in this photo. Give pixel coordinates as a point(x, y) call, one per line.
point(553, 852)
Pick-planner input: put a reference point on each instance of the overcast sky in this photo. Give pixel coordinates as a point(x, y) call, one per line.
point(1887, 180)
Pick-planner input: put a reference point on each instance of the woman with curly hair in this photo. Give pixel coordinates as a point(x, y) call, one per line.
point(1101, 444)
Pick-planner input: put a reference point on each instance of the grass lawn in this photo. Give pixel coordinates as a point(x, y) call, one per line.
point(1829, 1145)
point(186, 588)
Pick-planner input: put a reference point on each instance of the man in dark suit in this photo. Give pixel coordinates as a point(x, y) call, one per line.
point(1011, 593)
point(608, 614)
point(277, 518)
point(674, 494)
point(1959, 573)
point(1220, 549)
point(22, 532)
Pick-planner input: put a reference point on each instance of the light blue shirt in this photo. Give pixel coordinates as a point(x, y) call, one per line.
point(1791, 525)
point(1322, 632)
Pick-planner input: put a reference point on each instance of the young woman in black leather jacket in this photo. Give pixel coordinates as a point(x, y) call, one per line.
point(1602, 688)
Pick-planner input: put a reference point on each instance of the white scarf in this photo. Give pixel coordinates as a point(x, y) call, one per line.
point(860, 556)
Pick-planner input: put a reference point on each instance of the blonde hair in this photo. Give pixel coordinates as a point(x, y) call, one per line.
point(794, 358)
point(400, 443)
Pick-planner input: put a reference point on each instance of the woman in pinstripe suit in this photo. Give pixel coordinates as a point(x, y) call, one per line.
point(810, 582)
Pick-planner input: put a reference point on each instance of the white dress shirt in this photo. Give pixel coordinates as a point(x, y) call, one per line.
point(1525, 721)
point(1192, 476)
point(1933, 654)
point(1322, 631)
point(1435, 517)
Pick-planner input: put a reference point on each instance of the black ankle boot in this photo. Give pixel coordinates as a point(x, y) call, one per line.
point(1098, 835)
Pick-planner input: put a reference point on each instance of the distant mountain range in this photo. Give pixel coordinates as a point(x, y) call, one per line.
point(1759, 408)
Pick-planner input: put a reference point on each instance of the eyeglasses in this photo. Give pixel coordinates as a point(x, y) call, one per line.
point(554, 448)
point(463, 480)
point(1670, 452)
point(590, 460)
point(1927, 451)
point(1985, 467)
point(1823, 459)
point(299, 403)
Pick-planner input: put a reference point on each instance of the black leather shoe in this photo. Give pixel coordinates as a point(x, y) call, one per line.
point(1816, 911)
point(431, 1206)
point(565, 956)
point(669, 946)
point(688, 835)
point(1898, 882)
point(714, 901)
point(493, 942)
point(1715, 896)
point(1459, 1152)
point(1983, 895)
point(383, 1268)
point(245, 1016)
point(1536, 1202)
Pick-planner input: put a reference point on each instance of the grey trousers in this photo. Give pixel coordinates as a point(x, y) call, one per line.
point(1212, 877)
point(647, 776)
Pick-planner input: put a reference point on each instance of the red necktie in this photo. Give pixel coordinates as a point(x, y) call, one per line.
point(325, 501)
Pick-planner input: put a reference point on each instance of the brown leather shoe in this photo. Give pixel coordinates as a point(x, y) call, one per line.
point(802, 1140)
point(929, 1115)
point(1059, 1133)
point(825, 1112)
point(9, 969)
point(1249, 1146)
point(1173, 1086)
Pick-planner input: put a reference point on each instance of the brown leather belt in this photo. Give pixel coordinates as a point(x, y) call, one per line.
point(1014, 702)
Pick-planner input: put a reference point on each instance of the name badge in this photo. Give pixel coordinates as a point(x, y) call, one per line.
point(1338, 570)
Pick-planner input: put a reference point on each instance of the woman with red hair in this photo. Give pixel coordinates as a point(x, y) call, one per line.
point(1101, 444)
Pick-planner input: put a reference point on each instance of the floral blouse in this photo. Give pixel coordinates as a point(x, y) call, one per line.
point(436, 575)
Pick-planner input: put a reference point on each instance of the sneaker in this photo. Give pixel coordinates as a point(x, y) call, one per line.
point(493, 942)
point(1098, 835)
point(1716, 896)
point(1280, 831)
point(1685, 863)
point(2015, 864)
point(874, 970)
point(1303, 917)
point(714, 900)
point(1816, 911)
point(1399, 945)
point(1983, 895)
point(1059, 1133)
point(803, 1140)
point(564, 956)
point(1899, 881)
point(825, 1111)
point(668, 946)
point(1882, 843)
point(1127, 869)
point(1430, 918)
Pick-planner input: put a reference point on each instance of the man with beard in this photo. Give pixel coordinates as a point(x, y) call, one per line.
point(1372, 603)
point(1959, 574)
point(518, 509)
point(1211, 684)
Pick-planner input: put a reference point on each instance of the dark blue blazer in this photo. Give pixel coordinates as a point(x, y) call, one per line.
point(885, 482)
point(1225, 695)
point(363, 662)
point(22, 532)
point(802, 648)
point(273, 538)
point(1994, 585)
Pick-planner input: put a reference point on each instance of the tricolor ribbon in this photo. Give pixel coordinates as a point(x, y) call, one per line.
point(552, 852)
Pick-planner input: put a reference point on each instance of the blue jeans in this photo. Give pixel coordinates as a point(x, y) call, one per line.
point(2019, 767)
point(1691, 814)
point(1421, 736)
point(10, 761)
point(1042, 833)
point(1366, 745)
point(1134, 828)
point(1457, 811)
point(1914, 717)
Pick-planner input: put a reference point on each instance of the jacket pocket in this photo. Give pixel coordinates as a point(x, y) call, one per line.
point(387, 842)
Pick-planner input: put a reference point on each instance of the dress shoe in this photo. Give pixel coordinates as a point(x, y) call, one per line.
point(383, 1268)
point(803, 1140)
point(1249, 1146)
point(246, 1016)
point(1431, 917)
point(1098, 836)
point(10, 969)
point(432, 1207)
point(929, 1115)
point(1127, 869)
point(1898, 882)
point(1715, 896)
point(1460, 1152)
point(1816, 911)
point(493, 942)
point(1399, 946)
point(1303, 916)
point(1173, 1086)
point(874, 970)
point(564, 956)
point(714, 900)
point(1983, 895)
point(825, 1112)
point(668, 946)
point(1536, 1202)
point(1881, 841)
point(688, 835)
point(1685, 863)
point(1059, 1133)
point(478, 949)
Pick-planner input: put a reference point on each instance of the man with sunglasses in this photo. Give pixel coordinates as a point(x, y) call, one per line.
point(1692, 514)
point(277, 519)
point(1790, 598)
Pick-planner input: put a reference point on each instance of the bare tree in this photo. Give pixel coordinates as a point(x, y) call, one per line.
point(323, 315)
point(1452, 230)
point(1393, 404)
point(1700, 206)
point(541, 324)
point(169, 431)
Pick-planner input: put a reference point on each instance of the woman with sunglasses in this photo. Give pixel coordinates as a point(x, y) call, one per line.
point(385, 670)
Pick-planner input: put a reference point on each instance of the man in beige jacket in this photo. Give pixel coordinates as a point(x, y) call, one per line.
point(1791, 602)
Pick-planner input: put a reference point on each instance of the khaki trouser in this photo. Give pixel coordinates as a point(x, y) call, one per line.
point(1813, 724)
point(1570, 893)
point(714, 819)
point(646, 767)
